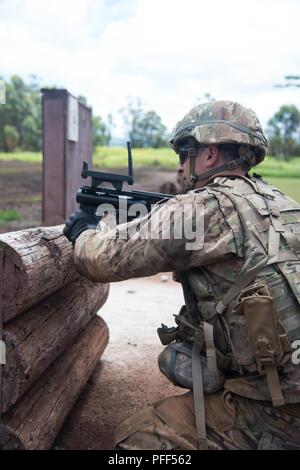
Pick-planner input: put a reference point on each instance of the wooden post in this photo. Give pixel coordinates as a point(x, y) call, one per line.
point(37, 262)
point(67, 142)
point(35, 420)
point(36, 338)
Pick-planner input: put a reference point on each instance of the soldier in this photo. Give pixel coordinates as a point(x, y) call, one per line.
point(232, 345)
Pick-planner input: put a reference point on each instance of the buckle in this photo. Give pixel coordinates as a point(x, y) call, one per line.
point(274, 212)
point(232, 165)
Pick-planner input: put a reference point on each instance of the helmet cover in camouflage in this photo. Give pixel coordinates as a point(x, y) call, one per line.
point(222, 122)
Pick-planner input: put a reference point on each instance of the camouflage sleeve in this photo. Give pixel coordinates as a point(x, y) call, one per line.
point(190, 230)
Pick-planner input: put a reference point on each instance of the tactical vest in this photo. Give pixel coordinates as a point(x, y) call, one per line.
point(254, 342)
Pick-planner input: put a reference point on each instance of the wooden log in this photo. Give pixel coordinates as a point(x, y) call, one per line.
point(36, 338)
point(36, 419)
point(37, 262)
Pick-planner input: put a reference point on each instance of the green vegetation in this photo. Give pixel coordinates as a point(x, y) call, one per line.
point(284, 132)
point(145, 128)
point(272, 167)
point(21, 122)
point(284, 175)
point(21, 199)
point(164, 159)
point(116, 157)
point(20, 156)
point(9, 216)
point(21, 117)
point(288, 186)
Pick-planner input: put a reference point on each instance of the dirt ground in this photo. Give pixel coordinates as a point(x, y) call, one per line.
point(127, 377)
point(21, 190)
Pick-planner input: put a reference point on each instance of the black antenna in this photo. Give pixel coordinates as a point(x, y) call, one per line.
point(130, 166)
point(99, 177)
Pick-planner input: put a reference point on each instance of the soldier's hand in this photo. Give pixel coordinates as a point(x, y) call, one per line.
point(78, 222)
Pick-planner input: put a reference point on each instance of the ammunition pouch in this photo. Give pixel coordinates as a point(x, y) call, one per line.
point(270, 345)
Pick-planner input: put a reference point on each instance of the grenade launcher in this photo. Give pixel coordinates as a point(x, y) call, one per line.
point(121, 200)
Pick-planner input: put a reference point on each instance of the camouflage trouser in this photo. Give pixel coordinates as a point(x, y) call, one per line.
point(232, 422)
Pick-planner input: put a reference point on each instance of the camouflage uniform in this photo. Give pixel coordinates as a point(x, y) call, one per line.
point(249, 227)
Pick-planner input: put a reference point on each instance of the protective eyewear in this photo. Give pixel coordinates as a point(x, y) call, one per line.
point(183, 151)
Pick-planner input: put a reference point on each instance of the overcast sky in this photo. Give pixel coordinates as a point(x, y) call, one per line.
point(168, 52)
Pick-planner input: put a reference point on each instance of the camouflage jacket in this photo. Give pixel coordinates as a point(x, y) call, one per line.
point(235, 226)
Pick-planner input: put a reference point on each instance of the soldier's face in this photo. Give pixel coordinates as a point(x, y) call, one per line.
point(207, 158)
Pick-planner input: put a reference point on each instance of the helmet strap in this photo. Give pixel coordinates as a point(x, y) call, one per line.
point(189, 184)
point(192, 154)
point(232, 165)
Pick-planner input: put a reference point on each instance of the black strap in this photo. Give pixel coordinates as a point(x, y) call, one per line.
point(232, 165)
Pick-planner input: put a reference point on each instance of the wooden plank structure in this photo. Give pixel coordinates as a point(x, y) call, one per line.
point(67, 142)
point(36, 419)
point(37, 262)
point(52, 334)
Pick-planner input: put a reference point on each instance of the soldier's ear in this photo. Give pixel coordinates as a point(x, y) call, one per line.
point(213, 155)
point(213, 151)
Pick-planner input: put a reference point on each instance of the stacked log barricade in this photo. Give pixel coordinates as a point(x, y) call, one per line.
point(52, 334)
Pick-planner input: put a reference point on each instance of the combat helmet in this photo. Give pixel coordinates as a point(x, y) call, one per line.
point(222, 122)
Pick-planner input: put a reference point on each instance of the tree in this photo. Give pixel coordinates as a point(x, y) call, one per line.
point(11, 138)
point(101, 131)
point(284, 131)
point(32, 134)
point(145, 128)
point(153, 130)
point(22, 111)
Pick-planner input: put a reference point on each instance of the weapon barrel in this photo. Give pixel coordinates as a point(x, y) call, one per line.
point(89, 197)
point(94, 200)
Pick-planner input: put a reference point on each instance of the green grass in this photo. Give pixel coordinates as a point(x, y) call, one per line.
point(116, 157)
point(278, 168)
point(21, 199)
point(19, 156)
point(9, 216)
point(289, 186)
point(165, 158)
point(284, 175)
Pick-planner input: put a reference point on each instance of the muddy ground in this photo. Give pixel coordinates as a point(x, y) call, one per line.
point(127, 377)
